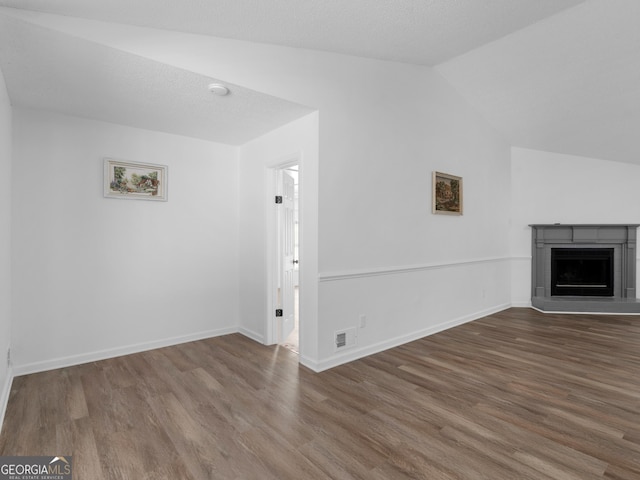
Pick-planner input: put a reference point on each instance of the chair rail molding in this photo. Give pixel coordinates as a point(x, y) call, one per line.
point(374, 272)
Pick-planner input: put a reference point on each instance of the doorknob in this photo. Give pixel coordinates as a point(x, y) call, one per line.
point(295, 262)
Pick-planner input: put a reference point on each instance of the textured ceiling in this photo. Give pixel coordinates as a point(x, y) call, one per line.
point(554, 75)
point(54, 71)
point(569, 84)
point(416, 31)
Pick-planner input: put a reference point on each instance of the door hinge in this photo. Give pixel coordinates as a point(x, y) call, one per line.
point(278, 312)
point(278, 198)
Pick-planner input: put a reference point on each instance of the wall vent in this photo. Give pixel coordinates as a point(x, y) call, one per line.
point(345, 339)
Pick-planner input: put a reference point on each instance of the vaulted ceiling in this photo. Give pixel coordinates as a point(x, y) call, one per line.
point(426, 32)
point(556, 75)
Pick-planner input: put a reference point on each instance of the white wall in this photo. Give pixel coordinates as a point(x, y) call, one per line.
point(297, 141)
point(556, 188)
point(5, 243)
point(384, 127)
point(375, 214)
point(96, 277)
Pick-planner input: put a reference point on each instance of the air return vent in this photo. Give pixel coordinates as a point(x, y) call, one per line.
point(344, 339)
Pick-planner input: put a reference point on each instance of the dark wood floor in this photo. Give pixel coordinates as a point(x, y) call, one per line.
point(517, 395)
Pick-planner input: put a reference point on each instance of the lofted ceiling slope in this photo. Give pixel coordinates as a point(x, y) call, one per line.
point(554, 75)
point(569, 84)
point(45, 69)
point(424, 32)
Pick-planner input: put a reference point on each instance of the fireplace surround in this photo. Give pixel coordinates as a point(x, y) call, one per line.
point(584, 268)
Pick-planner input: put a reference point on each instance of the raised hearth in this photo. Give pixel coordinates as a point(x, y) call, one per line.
point(584, 268)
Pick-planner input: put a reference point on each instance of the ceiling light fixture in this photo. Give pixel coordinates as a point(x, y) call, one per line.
point(218, 89)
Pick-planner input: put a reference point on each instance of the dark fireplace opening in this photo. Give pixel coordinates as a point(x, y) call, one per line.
point(585, 272)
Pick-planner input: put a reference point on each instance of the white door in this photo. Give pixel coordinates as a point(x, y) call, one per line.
point(287, 232)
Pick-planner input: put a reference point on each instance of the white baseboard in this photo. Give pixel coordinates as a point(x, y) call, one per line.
point(4, 395)
point(309, 363)
point(352, 355)
point(72, 360)
point(255, 336)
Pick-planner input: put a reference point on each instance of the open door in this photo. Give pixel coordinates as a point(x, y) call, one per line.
point(287, 249)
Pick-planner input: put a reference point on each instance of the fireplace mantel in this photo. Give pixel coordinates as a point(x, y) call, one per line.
point(620, 237)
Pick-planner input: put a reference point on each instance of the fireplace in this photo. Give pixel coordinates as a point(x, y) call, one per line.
point(584, 268)
point(583, 272)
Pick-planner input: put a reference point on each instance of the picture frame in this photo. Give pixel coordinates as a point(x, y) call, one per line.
point(135, 180)
point(447, 194)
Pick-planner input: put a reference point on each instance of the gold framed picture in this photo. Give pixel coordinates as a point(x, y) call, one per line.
point(446, 194)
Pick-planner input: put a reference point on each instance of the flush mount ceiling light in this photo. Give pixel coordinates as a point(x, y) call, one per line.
point(218, 89)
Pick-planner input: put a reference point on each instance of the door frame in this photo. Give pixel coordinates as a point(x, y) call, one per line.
point(273, 186)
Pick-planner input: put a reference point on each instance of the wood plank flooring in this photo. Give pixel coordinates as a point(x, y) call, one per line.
point(516, 395)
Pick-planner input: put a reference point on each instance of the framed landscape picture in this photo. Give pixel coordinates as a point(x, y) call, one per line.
point(447, 194)
point(133, 180)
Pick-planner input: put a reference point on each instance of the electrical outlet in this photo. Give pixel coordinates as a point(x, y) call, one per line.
point(363, 321)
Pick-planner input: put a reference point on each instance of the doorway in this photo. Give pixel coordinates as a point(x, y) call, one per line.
point(287, 271)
